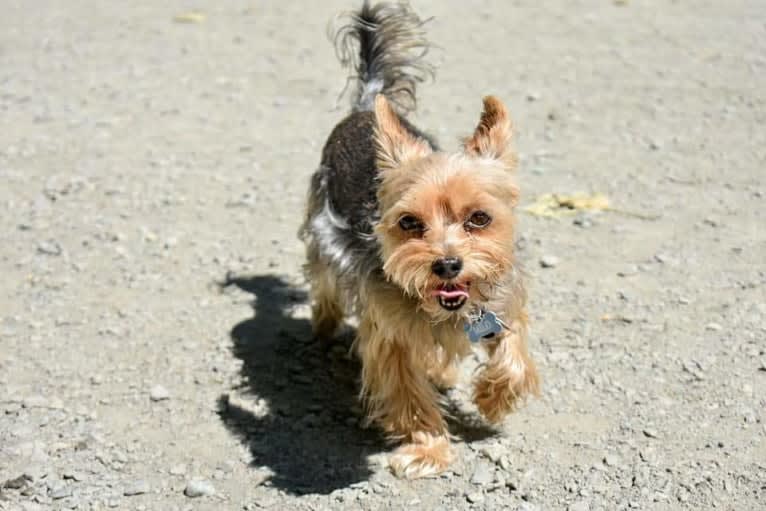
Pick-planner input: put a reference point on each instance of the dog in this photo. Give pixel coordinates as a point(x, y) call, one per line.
point(417, 244)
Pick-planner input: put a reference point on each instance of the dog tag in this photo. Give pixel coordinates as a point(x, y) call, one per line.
point(484, 327)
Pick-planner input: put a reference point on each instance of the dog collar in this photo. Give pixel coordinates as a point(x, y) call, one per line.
point(483, 324)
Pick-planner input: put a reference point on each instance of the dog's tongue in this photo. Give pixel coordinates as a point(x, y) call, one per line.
point(450, 291)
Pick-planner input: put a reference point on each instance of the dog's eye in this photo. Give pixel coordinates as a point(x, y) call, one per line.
point(411, 223)
point(478, 220)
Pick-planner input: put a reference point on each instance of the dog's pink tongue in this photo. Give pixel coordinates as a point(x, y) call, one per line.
point(451, 293)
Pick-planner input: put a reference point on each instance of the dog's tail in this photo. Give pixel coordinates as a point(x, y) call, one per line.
point(385, 46)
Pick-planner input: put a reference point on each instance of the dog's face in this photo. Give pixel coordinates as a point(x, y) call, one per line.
point(446, 227)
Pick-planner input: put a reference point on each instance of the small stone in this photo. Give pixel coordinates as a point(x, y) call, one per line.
point(74, 476)
point(159, 393)
point(475, 497)
point(612, 460)
point(629, 271)
point(17, 483)
point(493, 452)
point(505, 463)
point(579, 506)
point(526, 506)
point(36, 401)
point(583, 220)
point(178, 470)
point(483, 473)
point(549, 261)
point(650, 433)
point(695, 369)
point(136, 488)
point(120, 456)
point(198, 488)
point(49, 247)
point(60, 491)
point(713, 327)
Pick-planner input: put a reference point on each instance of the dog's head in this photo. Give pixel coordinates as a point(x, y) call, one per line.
point(447, 222)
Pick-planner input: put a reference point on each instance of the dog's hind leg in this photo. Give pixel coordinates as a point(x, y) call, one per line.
point(327, 306)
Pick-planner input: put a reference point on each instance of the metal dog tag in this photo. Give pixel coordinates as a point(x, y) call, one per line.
point(483, 327)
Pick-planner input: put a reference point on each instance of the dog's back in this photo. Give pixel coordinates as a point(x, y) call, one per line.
point(384, 46)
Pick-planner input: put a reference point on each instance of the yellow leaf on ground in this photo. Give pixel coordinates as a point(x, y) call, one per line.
point(555, 205)
point(190, 17)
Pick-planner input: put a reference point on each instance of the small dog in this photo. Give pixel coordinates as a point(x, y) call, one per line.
point(418, 244)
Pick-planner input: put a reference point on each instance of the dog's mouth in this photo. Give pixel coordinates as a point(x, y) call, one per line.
point(451, 296)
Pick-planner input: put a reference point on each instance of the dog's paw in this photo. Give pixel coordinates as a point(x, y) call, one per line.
point(494, 400)
point(499, 391)
point(424, 456)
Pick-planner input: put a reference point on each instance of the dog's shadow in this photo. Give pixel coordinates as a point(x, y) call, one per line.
point(297, 408)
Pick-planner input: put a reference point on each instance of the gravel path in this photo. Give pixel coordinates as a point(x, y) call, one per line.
point(154, 340)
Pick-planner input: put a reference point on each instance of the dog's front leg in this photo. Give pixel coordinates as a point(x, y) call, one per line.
point(509, 375)
point(400, 398)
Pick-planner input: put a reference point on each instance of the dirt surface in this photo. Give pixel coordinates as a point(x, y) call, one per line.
point(143, 160)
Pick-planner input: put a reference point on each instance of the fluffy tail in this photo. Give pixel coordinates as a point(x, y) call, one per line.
point(384, 45)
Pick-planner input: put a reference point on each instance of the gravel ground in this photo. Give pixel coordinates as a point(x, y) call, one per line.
point(154, 341)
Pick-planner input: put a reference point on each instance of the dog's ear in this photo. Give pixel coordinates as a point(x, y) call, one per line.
point(394, 143)
point(492, 137)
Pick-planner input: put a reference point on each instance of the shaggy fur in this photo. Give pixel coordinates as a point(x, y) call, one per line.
point(387, 210)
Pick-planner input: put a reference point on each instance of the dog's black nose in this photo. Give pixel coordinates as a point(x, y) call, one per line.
point(447, 267)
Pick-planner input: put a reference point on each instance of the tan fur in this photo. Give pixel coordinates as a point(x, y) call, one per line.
point(327, 309)
point(425, 455)
point(509, 376)
point(395, 144)
point(406, 341)
point(492, 137)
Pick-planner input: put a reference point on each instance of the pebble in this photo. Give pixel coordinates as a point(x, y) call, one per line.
point(17, 483)
point(60, 491)
point(475, 497)
point(36, 401)
point(612, 460)
point(159, 393)
point(75, 476)
point(483, 473)
point(493, 452)
point(583, 221)
point(650, 433)
point(629, 271)
point(50, 247)
point(579, 506)
point(178, 470)
point(549, 261)
point(713, 327)
point(136, 488)
point(198, 488)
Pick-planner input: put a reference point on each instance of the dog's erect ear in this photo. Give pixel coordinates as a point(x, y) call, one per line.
point(492, 137)
point(394, 143)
